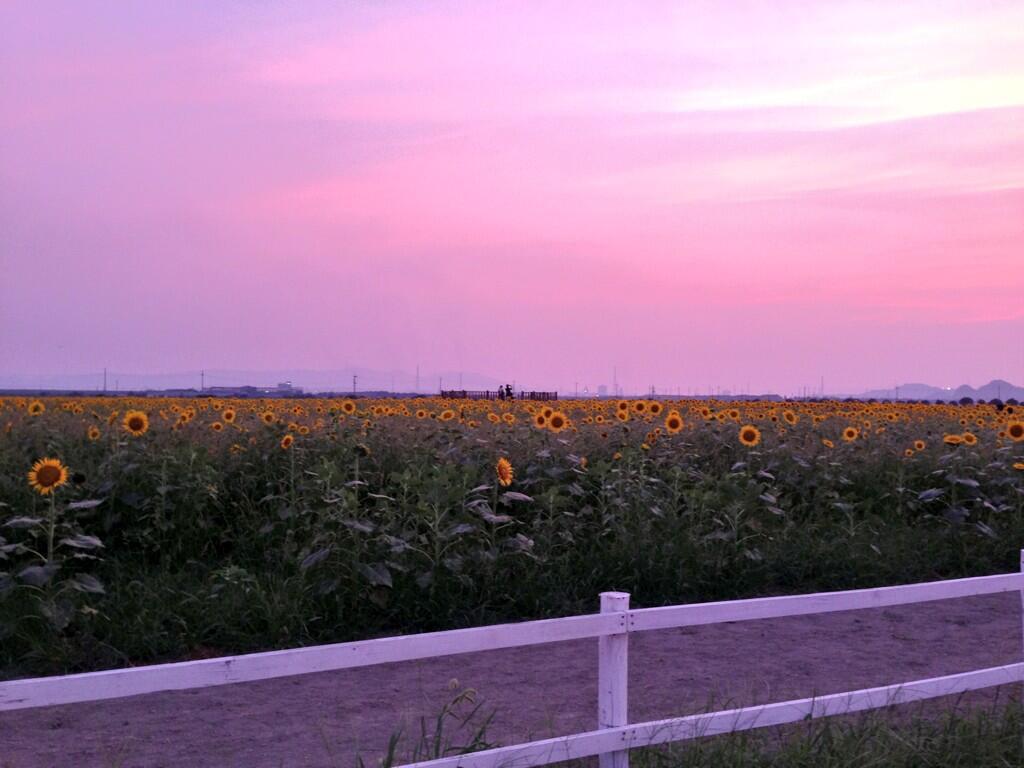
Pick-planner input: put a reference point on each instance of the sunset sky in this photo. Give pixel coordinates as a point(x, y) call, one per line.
point(701, 193)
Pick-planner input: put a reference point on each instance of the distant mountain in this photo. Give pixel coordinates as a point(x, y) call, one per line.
point(995, 389)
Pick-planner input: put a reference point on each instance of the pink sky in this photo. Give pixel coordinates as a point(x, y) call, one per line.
point(695, 193)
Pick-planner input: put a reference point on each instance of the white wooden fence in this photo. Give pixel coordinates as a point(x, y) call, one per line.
point(614, 736)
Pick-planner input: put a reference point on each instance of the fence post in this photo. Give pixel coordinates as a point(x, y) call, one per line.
point(613, 677)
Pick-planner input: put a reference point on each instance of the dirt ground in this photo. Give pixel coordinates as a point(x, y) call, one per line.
point(326, 719)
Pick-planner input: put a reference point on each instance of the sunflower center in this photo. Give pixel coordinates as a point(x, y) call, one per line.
point(47, 476)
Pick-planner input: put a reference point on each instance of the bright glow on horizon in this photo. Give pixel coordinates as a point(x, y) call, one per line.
point(708, 193)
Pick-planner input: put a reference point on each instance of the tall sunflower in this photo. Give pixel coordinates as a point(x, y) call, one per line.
point(47, 475)
point(750, 435)
point(503, 469)
point(135, 423)
point(673, 423)
point(557, 422)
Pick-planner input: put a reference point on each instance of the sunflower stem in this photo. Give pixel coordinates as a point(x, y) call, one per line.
point(53, 525)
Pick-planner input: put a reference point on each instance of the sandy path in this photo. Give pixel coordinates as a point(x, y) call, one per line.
point(325, 719)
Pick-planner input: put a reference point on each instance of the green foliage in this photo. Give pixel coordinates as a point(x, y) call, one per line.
point(225, 542)
point(979, 739)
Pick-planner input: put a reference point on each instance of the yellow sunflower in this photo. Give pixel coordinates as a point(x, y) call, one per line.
point(217, 426)
point(135, 423)
point(850, 434)
point(919, 445)
point(36, 407)
point(268, 417)
point(47, 475)
point(952, 439)
point(93, 433)
point(503, 469)
point(557, 422)
point(750, 435)
point(673, 423)
point(970, 438)
point(1015, 431)
point(229, 415)
point(286, 442)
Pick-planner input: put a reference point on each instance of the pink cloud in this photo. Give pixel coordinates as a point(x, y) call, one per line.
point(692, 194)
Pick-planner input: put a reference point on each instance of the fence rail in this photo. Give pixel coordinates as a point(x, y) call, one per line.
point(615, 735)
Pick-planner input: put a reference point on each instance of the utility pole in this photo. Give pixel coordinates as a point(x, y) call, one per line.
point(354, 377)
point(202, 381)
point(417, 378)
point(104, 381)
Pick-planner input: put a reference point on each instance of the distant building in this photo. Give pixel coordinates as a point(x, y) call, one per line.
point(283, 389)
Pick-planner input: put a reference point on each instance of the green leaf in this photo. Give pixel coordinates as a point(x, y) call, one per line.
point(377, 574)
point(23, 522)
point(88, 504)
point(82, 541)
point(313, 558)
point(38, 575)
point(85, 582)
point(515, 496)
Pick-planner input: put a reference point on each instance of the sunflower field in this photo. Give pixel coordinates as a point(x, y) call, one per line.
point(134, 530)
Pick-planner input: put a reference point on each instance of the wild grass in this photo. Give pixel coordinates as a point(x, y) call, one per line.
point(971, 737)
